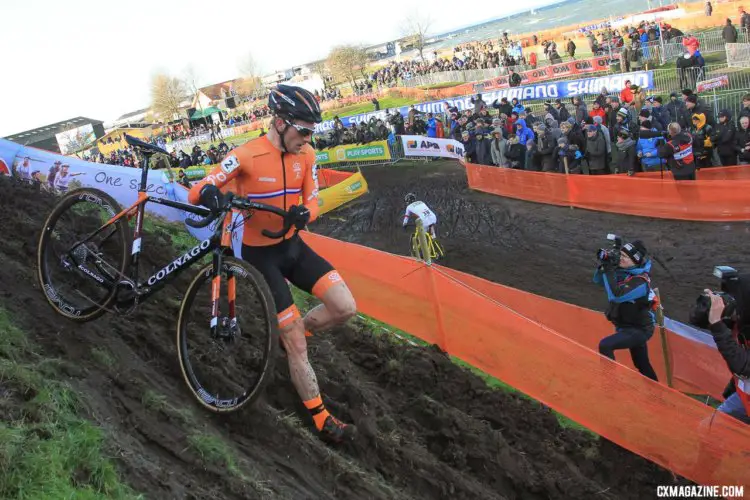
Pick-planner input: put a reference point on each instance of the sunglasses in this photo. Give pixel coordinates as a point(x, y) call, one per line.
point(302, 130)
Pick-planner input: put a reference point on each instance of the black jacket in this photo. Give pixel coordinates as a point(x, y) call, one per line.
point(723, 138)
point(547, 145)
point(564, 113)
point(729, 33)
point(677, 112)
point(484, 154)
point(516, 155)
point(736, 356)
point(624, 156)
point(628, 292)
point(741, 141)
point(681, 146)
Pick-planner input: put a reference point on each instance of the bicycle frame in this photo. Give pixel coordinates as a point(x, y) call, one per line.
point(219, 243)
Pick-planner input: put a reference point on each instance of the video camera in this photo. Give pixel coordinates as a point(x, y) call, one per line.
point(729, 285)
point(611, 255)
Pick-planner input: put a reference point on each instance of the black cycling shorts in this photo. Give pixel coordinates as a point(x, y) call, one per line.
point(291, 260)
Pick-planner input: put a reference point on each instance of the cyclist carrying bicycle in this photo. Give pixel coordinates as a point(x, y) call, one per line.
point(420, 210)
point(277, 169)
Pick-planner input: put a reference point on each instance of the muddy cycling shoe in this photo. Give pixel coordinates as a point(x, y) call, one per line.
point(336, 432)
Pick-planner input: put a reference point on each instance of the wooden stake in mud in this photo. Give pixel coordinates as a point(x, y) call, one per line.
point(664, 340)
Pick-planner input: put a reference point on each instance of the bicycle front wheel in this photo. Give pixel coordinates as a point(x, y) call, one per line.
point(229, 369)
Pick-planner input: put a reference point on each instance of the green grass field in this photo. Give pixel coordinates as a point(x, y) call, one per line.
point(367, 106)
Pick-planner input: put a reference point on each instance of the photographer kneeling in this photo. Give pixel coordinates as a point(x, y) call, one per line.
point(624, 273)
point(729, 326)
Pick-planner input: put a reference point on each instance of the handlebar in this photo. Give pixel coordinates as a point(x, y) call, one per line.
point(239, 203)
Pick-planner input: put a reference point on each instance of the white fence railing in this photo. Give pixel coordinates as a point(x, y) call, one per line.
point(738, 55)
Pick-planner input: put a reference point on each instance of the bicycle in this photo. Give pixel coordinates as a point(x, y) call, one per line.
point(110, 284)
point(434, 248)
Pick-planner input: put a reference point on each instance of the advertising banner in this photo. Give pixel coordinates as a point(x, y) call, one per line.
point(338, 194)
point(713, 83)
point(60, 174)
point(550, 90)
point(580, 67)
point(417, 145)
point(377, 150)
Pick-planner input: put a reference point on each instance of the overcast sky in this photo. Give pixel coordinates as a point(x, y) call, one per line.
point(95, 59)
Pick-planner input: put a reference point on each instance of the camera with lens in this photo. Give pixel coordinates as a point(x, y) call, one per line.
point(729, 285)
point(612, 254)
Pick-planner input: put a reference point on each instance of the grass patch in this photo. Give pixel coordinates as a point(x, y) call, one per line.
point(367, 106)
point(181, 239)
point(443, 85)
point(103, 357)
point(46, 450)
point(215, 450)
point(160, 403)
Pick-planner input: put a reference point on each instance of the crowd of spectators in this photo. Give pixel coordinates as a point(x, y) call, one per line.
point(621, 133)
point(498, 53)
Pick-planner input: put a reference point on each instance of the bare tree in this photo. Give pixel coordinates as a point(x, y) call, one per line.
point(417, 26)
point(167, 93)
point(249, 83)
point(347, 61)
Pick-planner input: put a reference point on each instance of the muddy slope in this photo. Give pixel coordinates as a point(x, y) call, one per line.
point(428, 429)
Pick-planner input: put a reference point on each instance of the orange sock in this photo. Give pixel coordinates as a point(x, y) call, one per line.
point(317, 410)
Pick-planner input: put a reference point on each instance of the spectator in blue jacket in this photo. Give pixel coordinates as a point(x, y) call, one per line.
point(647, 147)
point(523, 132)
point(431, 126)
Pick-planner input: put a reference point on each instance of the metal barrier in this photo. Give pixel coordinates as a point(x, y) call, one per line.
point(738, 55)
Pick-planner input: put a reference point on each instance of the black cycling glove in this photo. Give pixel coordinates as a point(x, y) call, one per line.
point(211, 197)
point(298, 216)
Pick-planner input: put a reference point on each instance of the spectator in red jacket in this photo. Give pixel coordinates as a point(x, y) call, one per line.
point(626, 95)
point(597, 111)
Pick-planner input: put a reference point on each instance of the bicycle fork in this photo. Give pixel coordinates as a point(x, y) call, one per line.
point(228, 327)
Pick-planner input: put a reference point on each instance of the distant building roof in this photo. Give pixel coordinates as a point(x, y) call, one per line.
point(48, 131)
point(133, 113)
point(213, 92)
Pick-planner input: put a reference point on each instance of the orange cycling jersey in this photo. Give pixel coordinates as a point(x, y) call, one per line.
point(262, 174)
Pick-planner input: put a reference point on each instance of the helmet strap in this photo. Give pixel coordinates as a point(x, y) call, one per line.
point(281, 133)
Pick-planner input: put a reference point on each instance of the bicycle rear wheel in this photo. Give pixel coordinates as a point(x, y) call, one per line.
point(77, 269)
point(230, 370)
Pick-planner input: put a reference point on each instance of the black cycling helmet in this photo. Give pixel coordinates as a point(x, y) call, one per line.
point(410, 198)
point(290, 102)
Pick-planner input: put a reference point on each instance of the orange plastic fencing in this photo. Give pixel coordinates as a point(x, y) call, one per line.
point(696, 368)
point(700, 200)
point(328, 177)
point(646, 417)
point(706, 174)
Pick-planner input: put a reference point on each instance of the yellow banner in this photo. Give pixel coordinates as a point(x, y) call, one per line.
point(347, 190)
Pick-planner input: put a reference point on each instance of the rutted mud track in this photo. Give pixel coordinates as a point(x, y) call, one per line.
point(428, 429)
point(542, 249)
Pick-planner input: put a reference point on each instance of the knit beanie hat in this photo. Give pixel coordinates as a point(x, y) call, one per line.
point(636, 251)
